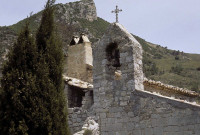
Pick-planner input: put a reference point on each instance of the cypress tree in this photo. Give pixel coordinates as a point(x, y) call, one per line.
point(51, 61)
point(18, 86)
point(32, 96)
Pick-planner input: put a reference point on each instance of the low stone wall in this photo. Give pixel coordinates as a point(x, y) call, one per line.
point(76, 119)
point(149, 114)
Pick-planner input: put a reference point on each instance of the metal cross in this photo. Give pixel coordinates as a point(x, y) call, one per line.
point(116, 11)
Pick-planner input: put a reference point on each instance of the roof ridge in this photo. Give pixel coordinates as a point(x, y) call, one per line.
point(171, 88)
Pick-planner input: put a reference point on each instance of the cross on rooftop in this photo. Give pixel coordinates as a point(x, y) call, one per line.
point(116, 11)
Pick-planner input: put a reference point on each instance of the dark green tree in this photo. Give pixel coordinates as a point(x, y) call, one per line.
point(18, 87)
point(32, 97)
point(51, 61)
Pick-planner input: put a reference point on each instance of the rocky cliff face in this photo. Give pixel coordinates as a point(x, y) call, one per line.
point(69, 16)
point(84, 9)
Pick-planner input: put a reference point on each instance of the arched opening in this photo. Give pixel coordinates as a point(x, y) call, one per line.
point(113, 55)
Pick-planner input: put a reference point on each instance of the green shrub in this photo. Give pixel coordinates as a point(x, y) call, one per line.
point(149, 67)
point(177, 58)
point(176, 69)
point(195, 86)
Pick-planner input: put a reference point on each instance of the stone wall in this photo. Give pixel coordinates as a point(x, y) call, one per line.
point(78, 115)
point(157, 115)
point(149, 114)
point(112, 96)
point(76, 119)
point(122, 105)
point(88, 100)
point(79, 62)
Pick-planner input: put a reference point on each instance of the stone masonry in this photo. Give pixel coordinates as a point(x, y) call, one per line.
point(76, 119)
point(121, 99)
point(79, 109)
point(122, 105)
point(79, 61)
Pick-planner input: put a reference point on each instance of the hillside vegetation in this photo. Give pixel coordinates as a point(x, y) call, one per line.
point(170, 66)
point(160, 64)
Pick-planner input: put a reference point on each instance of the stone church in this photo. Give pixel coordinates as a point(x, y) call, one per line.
point(105, 81)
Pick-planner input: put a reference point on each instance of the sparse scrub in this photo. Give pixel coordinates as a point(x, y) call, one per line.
point(194, 86)
point(149, 67)
point(177, 58)
point(177, 69)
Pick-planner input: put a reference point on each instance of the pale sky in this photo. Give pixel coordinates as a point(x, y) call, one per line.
point(171, 23)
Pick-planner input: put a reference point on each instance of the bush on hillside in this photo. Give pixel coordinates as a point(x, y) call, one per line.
point(176, 58)
point(149, 67)
point(176, 69)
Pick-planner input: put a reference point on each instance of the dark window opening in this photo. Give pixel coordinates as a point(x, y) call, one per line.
point(80, 40)
point(113, 55)
point(72, 42)
point(75, 96)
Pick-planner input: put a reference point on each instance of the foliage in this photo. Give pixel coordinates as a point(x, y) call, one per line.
point(50, 69)
point(18, 104)
point(144, 44)
point(87, 132)
point(96, 27)
point(198, 69)
point(6, 34)
point(32, 99)
point(194, 86)
point(177, 69)
point(158, 64)
point(33, 19)
point(157, 56)
point(177, 58)
point(149, 67)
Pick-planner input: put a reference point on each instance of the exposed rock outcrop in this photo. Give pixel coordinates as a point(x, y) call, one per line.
point(84, 9)
point(89, 126)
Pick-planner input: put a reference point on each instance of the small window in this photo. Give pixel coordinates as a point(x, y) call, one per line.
point(72, 42)
point(113, 55)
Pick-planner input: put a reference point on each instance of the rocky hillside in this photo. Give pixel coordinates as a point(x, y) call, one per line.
point(7, 37)
point(169, 66)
